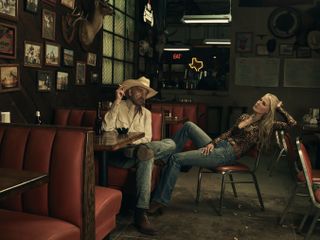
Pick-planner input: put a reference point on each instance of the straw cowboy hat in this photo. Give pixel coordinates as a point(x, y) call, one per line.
point(314, 40)
point(140, 82)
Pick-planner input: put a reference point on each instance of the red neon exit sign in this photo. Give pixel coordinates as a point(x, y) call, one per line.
point(176, 56)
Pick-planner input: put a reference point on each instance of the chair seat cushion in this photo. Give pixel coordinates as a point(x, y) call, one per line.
point(19, 225)
point(108, 202)
point(239, 167)
point(315, 176)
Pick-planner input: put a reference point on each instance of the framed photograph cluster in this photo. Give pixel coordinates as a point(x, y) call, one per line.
point(8, 40)
point(52, 54)
point(32, 54)
point(48, 24)
point(286, 50)
point(80, 73)
point(67, 58)
point(45, 80)
point(9, 77)
point(244, 42)
point(31, 5)
point(9, 9)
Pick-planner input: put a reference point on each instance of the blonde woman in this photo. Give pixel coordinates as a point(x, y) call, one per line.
point(249, 130)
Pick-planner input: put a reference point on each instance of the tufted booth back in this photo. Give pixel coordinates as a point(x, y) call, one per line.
point(86, 118)
point(66, 154)
point(195, 112)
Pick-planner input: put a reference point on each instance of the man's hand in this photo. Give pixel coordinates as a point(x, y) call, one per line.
point(119, 94)
point(207, 149)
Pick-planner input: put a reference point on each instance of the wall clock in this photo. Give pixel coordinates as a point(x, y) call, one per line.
point(284, 22)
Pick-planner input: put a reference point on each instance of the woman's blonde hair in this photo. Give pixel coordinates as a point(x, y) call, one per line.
point(266, 122)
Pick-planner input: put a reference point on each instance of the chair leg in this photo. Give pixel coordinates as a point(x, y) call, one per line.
point(233, 186)
point(272, 159)
point(199, 185)
point(223, 184)
point(275, 163)
point(291, 200)
point(258, 191)
point(315, 218)
point(305, 218)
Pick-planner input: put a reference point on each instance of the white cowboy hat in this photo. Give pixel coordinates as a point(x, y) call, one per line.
point(140, 82)
point(314, 40)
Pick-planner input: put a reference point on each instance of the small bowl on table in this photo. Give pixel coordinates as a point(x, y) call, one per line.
point(122, 131)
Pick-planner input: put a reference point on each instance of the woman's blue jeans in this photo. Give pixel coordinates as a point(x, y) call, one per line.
point(222, 154)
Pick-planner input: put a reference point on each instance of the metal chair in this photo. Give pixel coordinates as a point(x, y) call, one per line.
point(314, 193)
point(299, 189)
point(229, 170)
point(281, 152)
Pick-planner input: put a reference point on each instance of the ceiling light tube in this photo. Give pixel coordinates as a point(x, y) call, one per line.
point(220, 18)
point(176, 49)
point(217, 41)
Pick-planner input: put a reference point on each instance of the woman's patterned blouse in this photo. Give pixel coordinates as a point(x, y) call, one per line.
point(242, 139)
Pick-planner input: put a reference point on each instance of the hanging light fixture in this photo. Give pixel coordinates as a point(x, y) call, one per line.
point(210, 19)
point(217, 41)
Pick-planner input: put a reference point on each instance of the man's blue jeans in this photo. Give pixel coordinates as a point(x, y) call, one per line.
point(222, 154)
point(162, 151)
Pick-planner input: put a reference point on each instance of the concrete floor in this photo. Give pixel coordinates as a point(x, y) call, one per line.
point(242, 218)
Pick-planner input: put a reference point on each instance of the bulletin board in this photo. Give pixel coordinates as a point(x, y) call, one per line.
point(257, 72)
point(302, 73)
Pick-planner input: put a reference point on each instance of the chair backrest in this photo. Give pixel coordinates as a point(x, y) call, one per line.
point(307, 169)
point(280, 140)
point(157, 126)
point(254, 153)
point(292, 152)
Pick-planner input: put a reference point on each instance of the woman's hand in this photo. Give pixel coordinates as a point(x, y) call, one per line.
point(207, 149)
point(279, 105)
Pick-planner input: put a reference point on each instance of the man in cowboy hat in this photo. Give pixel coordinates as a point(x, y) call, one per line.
point(132, 114)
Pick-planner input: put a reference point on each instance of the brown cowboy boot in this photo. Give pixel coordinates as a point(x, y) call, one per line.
point(142, 223)
point(155, 208)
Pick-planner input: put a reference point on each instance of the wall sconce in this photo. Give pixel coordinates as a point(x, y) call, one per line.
point(218, 18)
point(217, 41)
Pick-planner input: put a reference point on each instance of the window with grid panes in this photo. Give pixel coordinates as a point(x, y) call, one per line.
point(118, 43)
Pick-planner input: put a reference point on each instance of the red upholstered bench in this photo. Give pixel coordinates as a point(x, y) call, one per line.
point(118, 178)
point(69, 206)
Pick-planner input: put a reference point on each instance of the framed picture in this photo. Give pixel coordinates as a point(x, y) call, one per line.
point(261, 50)
point(31, 5)
point(45, 80)
point(9, 77)
point(51, 2)
point(52, 54)
point(32, 54)
point(8, 41)
point(62, 80)
point(68, 3)
point(286, 49)
point(303, 52)
point(68, 57)
point(92, 59)
point(94, 77)
point(80, 73)
point(9, 9)
point(244, 42)
point(48, 24)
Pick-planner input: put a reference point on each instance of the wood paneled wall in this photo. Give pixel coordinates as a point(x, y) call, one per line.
point(23, 103)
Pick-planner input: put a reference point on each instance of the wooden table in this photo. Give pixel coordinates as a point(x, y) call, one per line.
point(172, 121)
point(108, 142)
point(17, 181)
